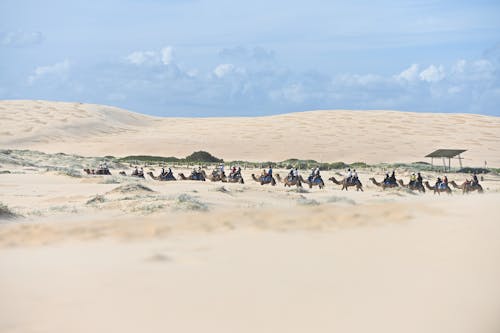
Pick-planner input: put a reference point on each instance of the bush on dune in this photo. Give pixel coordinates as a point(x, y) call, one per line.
point(6, 213)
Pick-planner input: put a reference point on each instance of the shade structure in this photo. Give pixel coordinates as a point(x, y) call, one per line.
point(446, 153)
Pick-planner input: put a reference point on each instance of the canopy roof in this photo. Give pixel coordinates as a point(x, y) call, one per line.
point(446, 153)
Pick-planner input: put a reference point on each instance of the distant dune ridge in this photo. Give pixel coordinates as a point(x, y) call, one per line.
point(327, 136)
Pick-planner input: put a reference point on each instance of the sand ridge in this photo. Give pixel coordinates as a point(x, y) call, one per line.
point(329, 135)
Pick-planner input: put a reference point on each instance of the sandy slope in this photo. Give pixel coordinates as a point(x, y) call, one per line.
point(374, 136)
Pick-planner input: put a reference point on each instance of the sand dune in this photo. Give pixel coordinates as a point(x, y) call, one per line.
point(337, 135)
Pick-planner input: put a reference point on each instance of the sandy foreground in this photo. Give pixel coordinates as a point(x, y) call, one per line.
point(116, 254)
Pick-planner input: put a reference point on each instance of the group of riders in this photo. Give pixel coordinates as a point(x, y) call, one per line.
point(351, 176)
point(166, 174)
point(217, 173)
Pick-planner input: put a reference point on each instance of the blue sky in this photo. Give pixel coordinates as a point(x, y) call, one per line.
point(221, 57)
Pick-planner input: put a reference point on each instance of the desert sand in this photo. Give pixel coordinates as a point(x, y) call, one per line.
point(111, 253)
point(325, 136)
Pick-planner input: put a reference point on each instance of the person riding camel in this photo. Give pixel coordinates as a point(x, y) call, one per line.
point(135, 172)
point(445, 181)
point(475, 181)
point(438, 182)
point(354, 176)
point(270, 172)
point(295, 174)
point(387, 178)
point(392, 179)
point(419, 179)
point(316, 174)
point(311, 176)
point(413, 179)
point(162, 171)
point(348, 175)
point(141, 173)
point(237, 173)
point(290, 174)
point(233, 172)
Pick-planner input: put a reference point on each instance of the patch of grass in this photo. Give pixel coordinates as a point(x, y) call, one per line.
point(132, 188)
point(222, 189)
point(6, 213)
point(71, 173)
point(298, 190)
point(95, 200)
point(187, 202)
point(335, 199)
point(148, 208)
point(303, 201)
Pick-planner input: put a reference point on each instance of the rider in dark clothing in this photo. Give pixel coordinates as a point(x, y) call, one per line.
point(386, 179)
point(438, 182)
point(392, 179)
point(475, 181)
point(419, 178)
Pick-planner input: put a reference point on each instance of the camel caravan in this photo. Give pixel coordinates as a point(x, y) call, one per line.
point(350, 179)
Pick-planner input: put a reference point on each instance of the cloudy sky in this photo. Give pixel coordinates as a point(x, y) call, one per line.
point(226, 57)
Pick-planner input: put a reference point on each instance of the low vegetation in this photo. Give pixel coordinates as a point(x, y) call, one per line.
point(71, 165)
point(6, 213)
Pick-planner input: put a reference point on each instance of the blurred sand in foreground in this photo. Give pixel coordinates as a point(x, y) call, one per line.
point(118, 254)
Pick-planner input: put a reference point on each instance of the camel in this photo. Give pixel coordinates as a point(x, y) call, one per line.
point(438, 190)
point(289, 182)
point(345, 184)
point(214, 176)
point(318, 181)
point(414, 187)
point(192, 177)
point(467, 186)
point(237, 179)
point(104, 172)
point(162, 178)
point(383, 184)
point(264, 180)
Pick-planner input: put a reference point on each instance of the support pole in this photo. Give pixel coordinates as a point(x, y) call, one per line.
point(460, 161)
point(449, 164)
point(444, 164)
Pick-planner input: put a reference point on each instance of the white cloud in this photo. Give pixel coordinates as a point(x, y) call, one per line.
point(59, 69)
point(167, 55)
point(432, 74)
point(20, 38)
point(459, 67)
point(223, 69)
point(142, 57)
point(409, 74)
